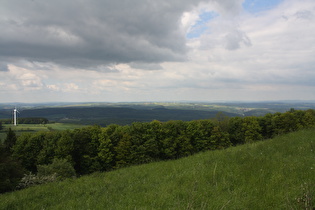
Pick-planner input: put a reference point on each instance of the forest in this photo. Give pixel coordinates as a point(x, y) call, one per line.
point(109, 115)
point(95, 148)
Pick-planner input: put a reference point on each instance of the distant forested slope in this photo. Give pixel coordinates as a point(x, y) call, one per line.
point(118, 115)
point(127, 113)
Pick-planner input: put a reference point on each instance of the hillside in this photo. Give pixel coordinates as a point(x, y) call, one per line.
point(271, 174)
point(109, 115)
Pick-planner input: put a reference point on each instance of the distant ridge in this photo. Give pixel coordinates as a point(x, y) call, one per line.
point(104, 113)
point(119, 115)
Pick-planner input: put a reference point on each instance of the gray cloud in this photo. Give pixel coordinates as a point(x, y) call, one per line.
point(235, 38)
point(304, 14)
point(146, 66)
point(91, 33)
point(229, 8)
point(4, 67)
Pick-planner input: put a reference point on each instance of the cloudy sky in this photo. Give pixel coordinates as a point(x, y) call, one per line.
point(148, 50)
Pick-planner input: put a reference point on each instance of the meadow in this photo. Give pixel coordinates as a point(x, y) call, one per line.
point(271, 174)
point(24, 128)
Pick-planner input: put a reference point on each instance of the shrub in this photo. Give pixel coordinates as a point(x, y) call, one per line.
point(58, 170)
point(60, 167)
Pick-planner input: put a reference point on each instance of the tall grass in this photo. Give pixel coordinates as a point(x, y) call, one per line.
point(271, 174)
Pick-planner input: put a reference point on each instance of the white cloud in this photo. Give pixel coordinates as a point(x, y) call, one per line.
point(70, 87)
point(53, 88)
point(22, 79)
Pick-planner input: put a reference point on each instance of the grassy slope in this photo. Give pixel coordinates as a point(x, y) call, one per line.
point(263, 175)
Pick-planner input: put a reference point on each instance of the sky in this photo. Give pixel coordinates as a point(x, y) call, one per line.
point(147, 50)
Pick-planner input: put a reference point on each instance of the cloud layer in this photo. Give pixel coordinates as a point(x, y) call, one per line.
point(89, 33)
point(156, 50)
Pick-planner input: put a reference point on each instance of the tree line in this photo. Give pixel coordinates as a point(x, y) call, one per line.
point(95, 148)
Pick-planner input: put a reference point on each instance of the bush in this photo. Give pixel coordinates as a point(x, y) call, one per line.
point(58, 170)
point(60, 167)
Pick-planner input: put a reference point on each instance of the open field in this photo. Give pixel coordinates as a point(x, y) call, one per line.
point(271, 174)
point(24, 128)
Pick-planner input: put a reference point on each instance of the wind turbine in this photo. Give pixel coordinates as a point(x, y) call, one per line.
point(15, 111)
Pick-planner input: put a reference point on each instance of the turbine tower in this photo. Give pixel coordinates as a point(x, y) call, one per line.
point(15, 111)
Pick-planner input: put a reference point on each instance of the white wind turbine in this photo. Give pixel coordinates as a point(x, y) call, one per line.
point(15, 111)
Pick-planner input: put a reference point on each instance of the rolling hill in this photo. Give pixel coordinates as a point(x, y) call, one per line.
point(271, 174)
point(109, 115)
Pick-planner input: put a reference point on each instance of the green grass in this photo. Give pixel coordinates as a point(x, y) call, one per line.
point(24, 128)
point(265, 175)
point(42, 127)
point(64, 126)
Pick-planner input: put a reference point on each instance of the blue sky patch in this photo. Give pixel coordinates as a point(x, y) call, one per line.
point(254, 6)
point(201, 25)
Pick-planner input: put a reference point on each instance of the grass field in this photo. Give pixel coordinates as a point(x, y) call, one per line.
point(23, 128)
point(271, 174)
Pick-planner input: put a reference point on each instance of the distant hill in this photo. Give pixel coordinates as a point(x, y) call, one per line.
point(126, 113)
point(118, 115)
point(271, 174)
